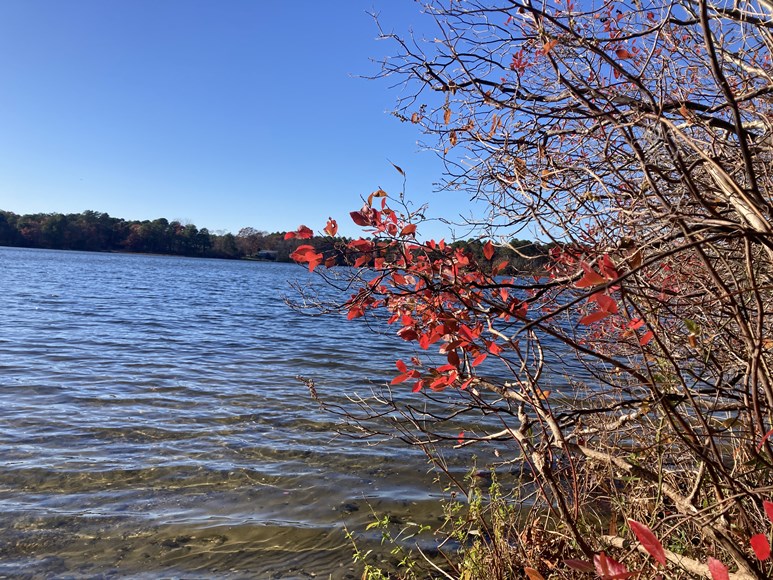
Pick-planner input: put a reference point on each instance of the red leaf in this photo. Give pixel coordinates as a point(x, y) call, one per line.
point(417, 387)
point(355, 312)
point(331, 228)
point(460, 439)
point(468, 333)
point(768, 509)
point(718, 570)
point(400, 379)
point(594, 317)
point(607, 303)
point(488, 250)
point(761, 546)
point(407, 334)
point(608, 267)
point(301, 253)
point(759, 446)
point(359, 219)
point(401, 366)
point(302, 233)
point(649, 541)
point(609, 568)
point(499, 267)
point(315, 261)
point(453, 358)
point(623, 54)
point(646, 338)
point(479, 359)
point(591, 277)
point(634, 324)
point(494, 348)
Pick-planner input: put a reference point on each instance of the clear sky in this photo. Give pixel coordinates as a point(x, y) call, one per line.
point(223, 113)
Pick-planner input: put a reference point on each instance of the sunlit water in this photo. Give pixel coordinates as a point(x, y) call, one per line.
point(151, 423)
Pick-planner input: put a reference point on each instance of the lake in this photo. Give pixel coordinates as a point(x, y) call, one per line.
point(152, 423)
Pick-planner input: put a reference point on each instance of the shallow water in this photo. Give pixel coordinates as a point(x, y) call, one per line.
point(152, 423)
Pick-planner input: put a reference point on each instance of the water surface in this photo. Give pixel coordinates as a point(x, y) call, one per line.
point(152, 424)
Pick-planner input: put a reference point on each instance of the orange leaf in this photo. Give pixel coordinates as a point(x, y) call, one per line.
point(447, 116)
point(302, 233)
point(408, 230)
point(548, 46)
point(533, 574)
point(488, 250)
point(331, 228)
point(623, 54)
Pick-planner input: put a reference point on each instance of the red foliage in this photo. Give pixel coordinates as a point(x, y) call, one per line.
point(649, 541)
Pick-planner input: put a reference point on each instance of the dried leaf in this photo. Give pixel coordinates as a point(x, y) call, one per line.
point(635, 260)
point(549, 45)
point(533, 574)
point(447, 116)
point(580, 565)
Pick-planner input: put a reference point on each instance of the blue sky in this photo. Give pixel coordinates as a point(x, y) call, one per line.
point(224, 113)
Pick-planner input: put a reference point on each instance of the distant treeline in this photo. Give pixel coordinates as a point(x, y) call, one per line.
point(93, 231)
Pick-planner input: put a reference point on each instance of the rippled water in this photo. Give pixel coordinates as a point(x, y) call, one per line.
point(151, 423)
